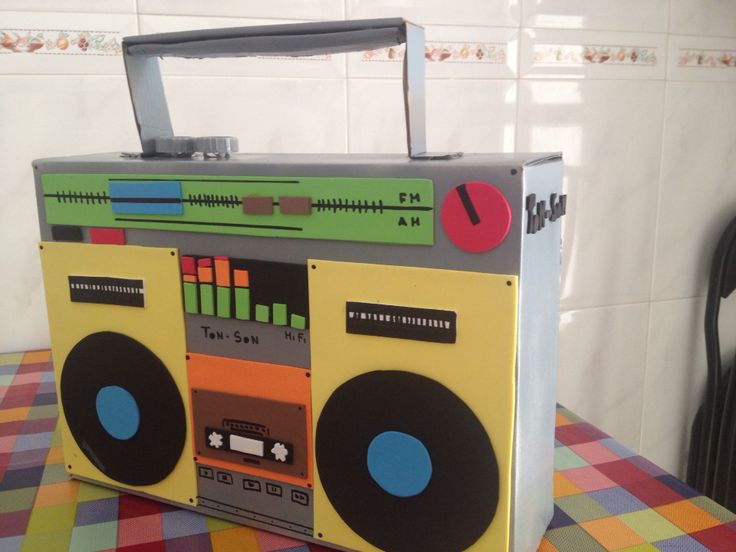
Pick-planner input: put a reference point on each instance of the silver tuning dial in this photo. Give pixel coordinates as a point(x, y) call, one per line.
point(216, 146)
point(177, 146)
point(185, 146)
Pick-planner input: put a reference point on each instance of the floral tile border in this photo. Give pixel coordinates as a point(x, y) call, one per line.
point(594, 54)
point(712, 59)
point(85, 42)
point(60, 42)
point(446, 52)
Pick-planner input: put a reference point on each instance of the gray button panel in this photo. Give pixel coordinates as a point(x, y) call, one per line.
point(249, 497)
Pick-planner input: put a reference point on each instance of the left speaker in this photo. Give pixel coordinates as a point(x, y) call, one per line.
point(117, 336)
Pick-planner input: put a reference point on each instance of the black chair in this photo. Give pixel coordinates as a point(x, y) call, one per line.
point(712, 458)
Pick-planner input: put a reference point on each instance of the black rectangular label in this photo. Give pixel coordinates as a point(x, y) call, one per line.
point(253, 445)
point(400, 322)
point(106, 291)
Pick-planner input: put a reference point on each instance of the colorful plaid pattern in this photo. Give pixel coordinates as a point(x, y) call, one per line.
point(606, 497)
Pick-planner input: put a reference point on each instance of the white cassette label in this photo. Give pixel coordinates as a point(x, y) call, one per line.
point(246, 445)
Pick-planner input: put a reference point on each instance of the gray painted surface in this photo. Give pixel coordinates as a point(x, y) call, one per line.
point(247, 497)
point(233, 338)
point(265, 525)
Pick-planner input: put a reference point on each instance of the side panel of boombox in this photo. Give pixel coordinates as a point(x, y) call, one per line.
point(353, 350)
point(539, 294)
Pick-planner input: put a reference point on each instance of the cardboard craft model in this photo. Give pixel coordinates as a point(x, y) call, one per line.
point(355, 350)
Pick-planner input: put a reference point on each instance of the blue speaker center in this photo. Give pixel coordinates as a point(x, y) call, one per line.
point(399, 463)
point(118, 412)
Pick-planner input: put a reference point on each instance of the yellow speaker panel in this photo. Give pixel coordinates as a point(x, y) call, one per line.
point(118, 344)
point(413, 374)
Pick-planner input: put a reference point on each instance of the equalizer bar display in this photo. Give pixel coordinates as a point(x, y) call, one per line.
point(261, 291)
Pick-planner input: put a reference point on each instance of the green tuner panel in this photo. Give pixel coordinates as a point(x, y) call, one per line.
point(378, 210)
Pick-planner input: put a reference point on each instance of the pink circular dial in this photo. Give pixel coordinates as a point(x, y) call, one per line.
point(476, 217)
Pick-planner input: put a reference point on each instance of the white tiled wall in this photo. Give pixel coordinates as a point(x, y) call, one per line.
point(638, 95)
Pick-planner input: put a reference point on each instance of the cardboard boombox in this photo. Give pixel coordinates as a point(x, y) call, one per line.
point(354, 350)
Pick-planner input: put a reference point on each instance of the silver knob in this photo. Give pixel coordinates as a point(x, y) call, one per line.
point(217, 146)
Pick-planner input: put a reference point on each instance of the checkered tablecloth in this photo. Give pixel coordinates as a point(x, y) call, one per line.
point(606, 497)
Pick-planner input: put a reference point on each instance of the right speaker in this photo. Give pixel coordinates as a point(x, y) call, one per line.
point(413, 386)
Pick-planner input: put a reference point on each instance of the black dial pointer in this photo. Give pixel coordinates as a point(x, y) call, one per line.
point(462, 191)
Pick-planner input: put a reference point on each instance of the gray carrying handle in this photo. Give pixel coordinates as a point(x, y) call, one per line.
point(141, 55)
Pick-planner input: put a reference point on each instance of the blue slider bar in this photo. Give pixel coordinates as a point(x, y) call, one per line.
point(146, 198)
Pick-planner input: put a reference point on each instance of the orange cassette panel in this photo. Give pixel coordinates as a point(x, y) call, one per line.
point(252, 417)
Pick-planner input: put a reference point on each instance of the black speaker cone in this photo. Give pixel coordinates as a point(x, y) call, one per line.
point(109, 364)
point(460, 499)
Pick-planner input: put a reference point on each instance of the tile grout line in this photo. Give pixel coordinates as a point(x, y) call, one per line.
point(138, 16)
point(658, 206)
point(618, 31)
point(346, 85)
point(633, 303)
point(66, 12)
point(668, 44)
point(138, 13)
point(273, 77)
point(517, 78)
point(472, 24)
